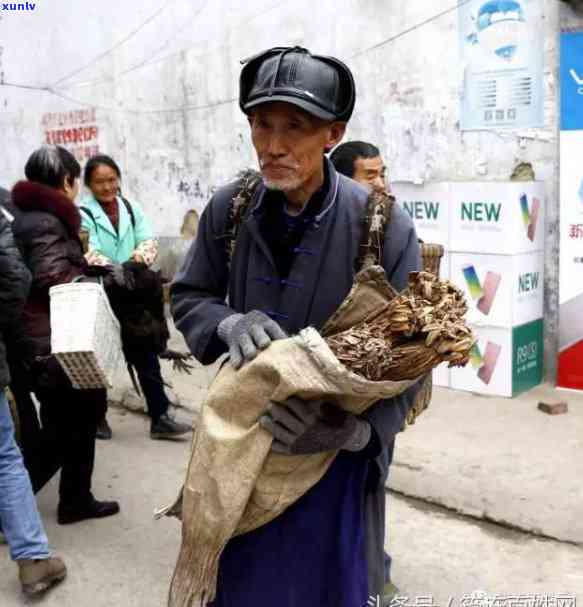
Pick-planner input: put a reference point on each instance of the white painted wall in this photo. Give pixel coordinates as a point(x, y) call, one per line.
point(186, 56)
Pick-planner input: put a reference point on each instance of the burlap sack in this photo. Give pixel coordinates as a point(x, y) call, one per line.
point(234, 484)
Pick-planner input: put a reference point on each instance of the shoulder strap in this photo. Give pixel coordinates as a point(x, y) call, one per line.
point(239, 208)
point(130, 211)
point(89, 214)
point(127, 205)
point(376, 219)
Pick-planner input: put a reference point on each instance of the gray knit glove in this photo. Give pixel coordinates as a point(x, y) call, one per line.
point(302, 427)
point(246, 334)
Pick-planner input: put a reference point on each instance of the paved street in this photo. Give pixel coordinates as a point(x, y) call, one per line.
point(499, 459)
point(447, 556)
point(127, 561)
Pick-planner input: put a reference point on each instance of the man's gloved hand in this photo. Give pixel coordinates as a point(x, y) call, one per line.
point(246, 334)
point(302, 427)
point(120, 277)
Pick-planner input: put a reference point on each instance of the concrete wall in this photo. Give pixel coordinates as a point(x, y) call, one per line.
point(162, 77)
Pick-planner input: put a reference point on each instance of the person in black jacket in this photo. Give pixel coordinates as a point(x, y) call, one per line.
point(30, 434)
point(47, 231)
point(19, 517)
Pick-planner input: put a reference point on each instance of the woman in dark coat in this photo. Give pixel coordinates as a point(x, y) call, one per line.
point(47, 231)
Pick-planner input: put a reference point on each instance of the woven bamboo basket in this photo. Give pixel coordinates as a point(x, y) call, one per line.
point(85, 334)
point(431, 255)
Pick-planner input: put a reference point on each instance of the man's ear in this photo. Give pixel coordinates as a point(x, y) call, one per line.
point(336, 132)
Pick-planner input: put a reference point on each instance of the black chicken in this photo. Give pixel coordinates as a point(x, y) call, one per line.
point(140, 311)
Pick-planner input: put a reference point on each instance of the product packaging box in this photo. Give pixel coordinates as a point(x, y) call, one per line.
point(501, 290)
point(504, 361)
point(505, 218)
point(441, 376)
point(428, 206)
point(445, 267)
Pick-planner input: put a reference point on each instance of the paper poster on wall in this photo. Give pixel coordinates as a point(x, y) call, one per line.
point(502, 57)
point(76, 130)
point(570, 369)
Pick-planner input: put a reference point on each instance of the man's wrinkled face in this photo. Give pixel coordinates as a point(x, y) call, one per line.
point(370, 172)
point(290, 144)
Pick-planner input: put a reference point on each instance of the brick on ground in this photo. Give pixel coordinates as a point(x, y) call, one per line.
point(553, 408)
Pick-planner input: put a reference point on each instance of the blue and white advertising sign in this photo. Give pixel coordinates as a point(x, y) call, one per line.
point(570, 370)
point(572, 81)
point(502, 56)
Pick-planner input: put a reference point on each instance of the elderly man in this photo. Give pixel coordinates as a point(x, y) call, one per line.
point(294, 261)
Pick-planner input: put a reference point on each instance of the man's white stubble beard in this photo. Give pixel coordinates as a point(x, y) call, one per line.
point(283, 185)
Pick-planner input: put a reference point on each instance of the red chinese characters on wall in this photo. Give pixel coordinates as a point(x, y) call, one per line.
point(576, 230)
point(76, 130)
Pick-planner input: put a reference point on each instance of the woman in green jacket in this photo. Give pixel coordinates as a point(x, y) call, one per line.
point(118, 232)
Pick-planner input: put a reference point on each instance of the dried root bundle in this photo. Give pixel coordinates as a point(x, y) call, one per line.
point(417, 330)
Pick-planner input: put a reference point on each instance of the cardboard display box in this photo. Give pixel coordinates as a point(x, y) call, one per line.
point(493, 234)
point(445, 267)
point(501, 291)
point(497, 218)
point(441, 376)
point(428, 206)
point(505, 361)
